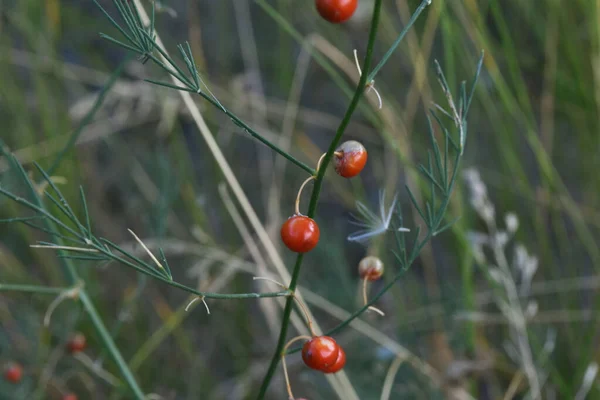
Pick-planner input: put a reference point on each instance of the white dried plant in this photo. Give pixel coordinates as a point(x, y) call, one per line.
point(511, 277)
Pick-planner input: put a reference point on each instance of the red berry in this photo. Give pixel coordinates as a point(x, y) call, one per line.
point(320, 352)
point(350, 158)
point(370, 268)
point(76, 343)
point(339, 363)
point(13, 373)
point(336, 11)
point(300, 233)
point(69, 396)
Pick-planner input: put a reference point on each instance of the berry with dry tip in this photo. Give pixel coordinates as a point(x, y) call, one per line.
point(370, 268)
point(320, 352)
point(350, 158)
point(300, 233)
point(336, 11)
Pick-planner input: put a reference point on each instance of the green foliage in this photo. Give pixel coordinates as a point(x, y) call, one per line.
point(532, 135)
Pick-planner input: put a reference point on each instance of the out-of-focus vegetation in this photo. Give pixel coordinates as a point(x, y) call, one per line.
point(534, 139)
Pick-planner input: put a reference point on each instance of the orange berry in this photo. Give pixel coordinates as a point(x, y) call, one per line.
point(339, 363)
point(320, 352)
point(69, 396)
point(13, 373)
point(350, 158)
point(336, 11)
point(300, 233)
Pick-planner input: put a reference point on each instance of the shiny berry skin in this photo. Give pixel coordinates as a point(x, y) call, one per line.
point(350, 159)
point(13, 373)
point(370, 268)
point(339, 363)
point(69, 396)
point(320, 352)
point(300, 233)
point(336, 11)
point(77, 343)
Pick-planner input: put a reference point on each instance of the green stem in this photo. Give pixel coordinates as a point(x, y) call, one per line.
point(32, 289)
point(145, 40)
point(415, 253)
point(236, 120)
point(89, 116)
point(315, 197)
point(388, 54)
point(209, 295)
point(73, 278)
point(287, 313)
point(110, 345)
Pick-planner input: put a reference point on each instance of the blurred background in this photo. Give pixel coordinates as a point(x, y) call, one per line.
point(459, 321)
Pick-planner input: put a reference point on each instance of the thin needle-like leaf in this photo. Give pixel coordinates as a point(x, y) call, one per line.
point(436, 152)
point(474, 84)
point(114, 23)
point(86, 212)
point(415, 204)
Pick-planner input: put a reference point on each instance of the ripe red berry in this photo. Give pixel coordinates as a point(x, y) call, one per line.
point(350, 158)
point(339, 363)
point(370, 268)
point(13, 373)
point(69, 396)
point(300, 233)
point(336, 11)
point(320, 352)
point(76, 343)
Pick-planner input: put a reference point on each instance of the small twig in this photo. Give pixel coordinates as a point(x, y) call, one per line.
point(335, 153)
point(69, 248)
point(263, 278)
point(514, 385)
point(147, 250)
point(205, 305)
point(68, 294)
point(298, 301)
point(365, 300)
point(297, 205)
point(371, 84)
point(285, 371)
point(97, 369)
point(195, 299)
point(389, 377)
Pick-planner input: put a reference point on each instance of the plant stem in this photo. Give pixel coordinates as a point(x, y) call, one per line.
point(315, 196)
point(388, 54)
point(110, 345)
point(89, 116)
point(414, 254)
point(73, 278)
point(287, 312)
point(237, 121)
point(32, 289)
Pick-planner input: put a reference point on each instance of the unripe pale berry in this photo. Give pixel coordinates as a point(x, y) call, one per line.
point(370, 268)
